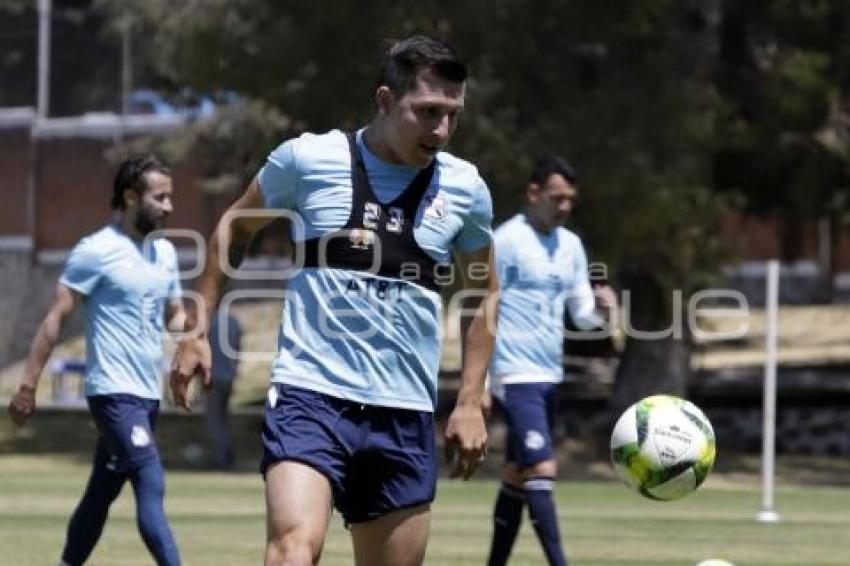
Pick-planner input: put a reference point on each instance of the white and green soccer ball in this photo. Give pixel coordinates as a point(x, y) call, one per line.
point(663, 447)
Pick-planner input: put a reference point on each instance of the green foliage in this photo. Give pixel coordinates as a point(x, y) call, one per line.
point(661, 104)
point(15, 7)
point(621, 90)
point(228, 149)
point(658, 103)
point(783, 130)
point(83, 68)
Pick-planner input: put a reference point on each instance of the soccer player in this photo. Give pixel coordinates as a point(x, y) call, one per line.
point(541, 267)
point(224, 330)
point(379, 214)
point(129, 287)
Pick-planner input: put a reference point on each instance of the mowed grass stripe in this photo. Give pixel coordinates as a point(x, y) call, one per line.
point(219, 519)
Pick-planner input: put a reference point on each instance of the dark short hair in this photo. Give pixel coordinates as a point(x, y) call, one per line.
point(404, 59)
point(131, 176)
point(550, 165)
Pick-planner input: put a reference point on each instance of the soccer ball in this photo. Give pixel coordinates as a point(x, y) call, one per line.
point(663, 447)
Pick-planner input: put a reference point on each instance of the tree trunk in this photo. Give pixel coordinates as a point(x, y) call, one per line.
point(648, 367)
point(656, 356)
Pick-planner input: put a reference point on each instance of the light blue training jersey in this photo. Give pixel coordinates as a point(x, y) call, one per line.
point(125, 286)
point(351, 334)
point(538, 274)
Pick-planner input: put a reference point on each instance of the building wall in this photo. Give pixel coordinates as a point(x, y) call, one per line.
point(16, 153)
point(71, 175)
point(75, 187)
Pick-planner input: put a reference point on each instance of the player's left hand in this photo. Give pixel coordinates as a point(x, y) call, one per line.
point(22, 404)
point(191, 358)
point(466, 440)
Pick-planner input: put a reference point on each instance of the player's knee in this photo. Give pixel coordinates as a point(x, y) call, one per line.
point(149, 484)
point(546, 468)
point(292, 549)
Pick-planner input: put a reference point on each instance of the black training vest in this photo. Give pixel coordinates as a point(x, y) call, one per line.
point(377, 238)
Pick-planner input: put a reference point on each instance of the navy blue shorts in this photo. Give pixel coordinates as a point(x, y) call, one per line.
point(126, 424)
point(377, 459)
point(529, 410)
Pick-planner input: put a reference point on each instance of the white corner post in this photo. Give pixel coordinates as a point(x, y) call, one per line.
point(768, 514)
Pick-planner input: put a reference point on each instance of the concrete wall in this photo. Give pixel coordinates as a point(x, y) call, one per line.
point(74, 180)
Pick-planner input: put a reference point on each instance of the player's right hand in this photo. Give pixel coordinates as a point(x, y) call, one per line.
point(466, 440)
point(191, 358)
point(22, 405)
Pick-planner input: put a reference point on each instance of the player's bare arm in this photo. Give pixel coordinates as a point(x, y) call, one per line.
point(466, 432)
point(22, 404)
point(233, 235)
point(606, 302)
point(175, 317)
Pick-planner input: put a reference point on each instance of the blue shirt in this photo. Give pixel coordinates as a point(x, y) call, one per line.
point(539, 274)
point(353, 335)
point(125, 287)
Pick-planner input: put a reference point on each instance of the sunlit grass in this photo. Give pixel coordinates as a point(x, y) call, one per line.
point(219, 520)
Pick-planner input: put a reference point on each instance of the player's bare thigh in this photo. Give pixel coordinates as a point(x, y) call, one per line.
point(298, 509)
point(398, 538)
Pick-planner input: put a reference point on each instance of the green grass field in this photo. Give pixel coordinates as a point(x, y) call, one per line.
point(218, 520)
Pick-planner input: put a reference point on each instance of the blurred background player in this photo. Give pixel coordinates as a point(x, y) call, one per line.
point(129, 287)
point(542, 267)
point(225, 343)
point(349, 416)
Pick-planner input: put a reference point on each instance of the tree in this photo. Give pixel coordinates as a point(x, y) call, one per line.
point(783, 72)
point(625, 91)
point(83, 67)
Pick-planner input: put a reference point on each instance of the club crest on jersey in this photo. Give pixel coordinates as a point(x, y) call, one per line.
point(534, 440)
point(139, 436)
point(361, 239)
point(435, 206)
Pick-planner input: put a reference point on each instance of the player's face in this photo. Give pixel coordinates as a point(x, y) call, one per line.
point(155, 205)
point(553, 200)
point(421, 122)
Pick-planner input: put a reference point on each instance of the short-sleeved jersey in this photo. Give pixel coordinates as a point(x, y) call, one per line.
point(352, 334)
point(539, 274)
point(125, 285)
